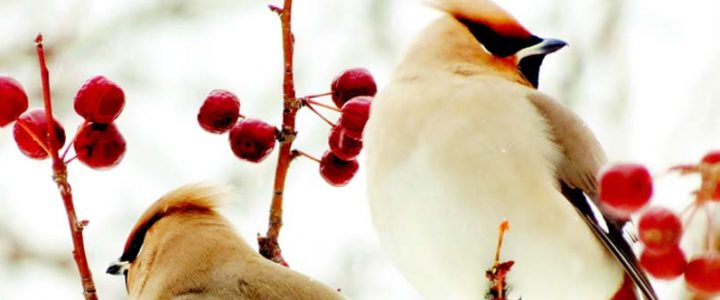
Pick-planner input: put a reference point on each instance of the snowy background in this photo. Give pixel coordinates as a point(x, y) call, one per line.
point(643, 74)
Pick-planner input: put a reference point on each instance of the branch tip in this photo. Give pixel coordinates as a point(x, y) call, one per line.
point(276, 9)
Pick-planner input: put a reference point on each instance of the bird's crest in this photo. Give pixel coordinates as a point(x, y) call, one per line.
point(201, 198)
point(484, 12)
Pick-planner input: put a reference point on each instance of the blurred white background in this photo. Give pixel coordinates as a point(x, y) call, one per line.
point(643, 74)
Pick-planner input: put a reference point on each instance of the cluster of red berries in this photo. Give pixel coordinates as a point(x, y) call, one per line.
point(626, 188)
point(352, 91)
point(253, 140)
point(250, 139)
point(98, 143)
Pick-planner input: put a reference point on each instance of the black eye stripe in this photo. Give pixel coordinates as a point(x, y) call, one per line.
point(505, 46)
point(499, 45)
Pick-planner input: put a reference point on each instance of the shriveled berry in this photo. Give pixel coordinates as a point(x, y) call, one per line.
point(713, 159)
point(624, 189)
point(99, 100)
point(344, 147)
point(13, 100)
point(352, 83)
point(35, 121)
point(667, 265)
point(355, 114)
point(335, 171)
point(100, 146)
point(660, 229)
point(252, 139)
point(702, 274)
point(219, 112)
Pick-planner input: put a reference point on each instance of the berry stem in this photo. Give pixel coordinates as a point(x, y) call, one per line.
point(710, 228)
point(269, 246)
point(33, 135)
point(309, 105)
point(71, 159)
point(308, 100)
point(60, 177)
point(318, 95)
point(67, 149)
point(504, 226)
point(295, 153)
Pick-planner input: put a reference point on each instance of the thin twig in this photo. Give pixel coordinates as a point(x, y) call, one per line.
point(60, 178)
point(269, 246)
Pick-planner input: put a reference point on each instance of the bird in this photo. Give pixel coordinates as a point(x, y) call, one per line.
point(460, 139)
point(183, 248)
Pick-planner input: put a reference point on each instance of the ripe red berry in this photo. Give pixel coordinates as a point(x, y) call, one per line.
point(713, 158)
point(35, 121)
point(352, 83)
point(13, 100)
point(335, 171)
point(219, 112)
point(702, 274)
point(342, 146)
point(99, 100)
point(624, 189)
point(355, 114)
point(100, 146)
point(660, 229)
point(252, 139)
point(667, 265)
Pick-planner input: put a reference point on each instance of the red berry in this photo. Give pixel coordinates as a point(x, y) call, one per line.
point(35, 121)
point(660, 229)
point(667, 265)
point(100, 146)
point(219, 112)
point(702, 274)
point(713, 158)
point(624, 189)
point(342, 146)
point(252, 139)
point(335, 171)
point(13, 100)
point(99, 100)
point(355, 114)
point(352, 83)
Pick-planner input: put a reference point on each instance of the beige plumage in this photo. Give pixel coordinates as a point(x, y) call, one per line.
point(460, 140)
point(182, 248)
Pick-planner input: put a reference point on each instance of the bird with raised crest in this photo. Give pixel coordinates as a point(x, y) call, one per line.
point(460, 139)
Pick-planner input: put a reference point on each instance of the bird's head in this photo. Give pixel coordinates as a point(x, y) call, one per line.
point(192, 199)
point(481, 33)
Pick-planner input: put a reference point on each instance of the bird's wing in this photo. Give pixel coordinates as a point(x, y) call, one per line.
point(576, 171)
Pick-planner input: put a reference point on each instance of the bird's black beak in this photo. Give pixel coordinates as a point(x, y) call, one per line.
point(530, 58)
point(544, 47)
